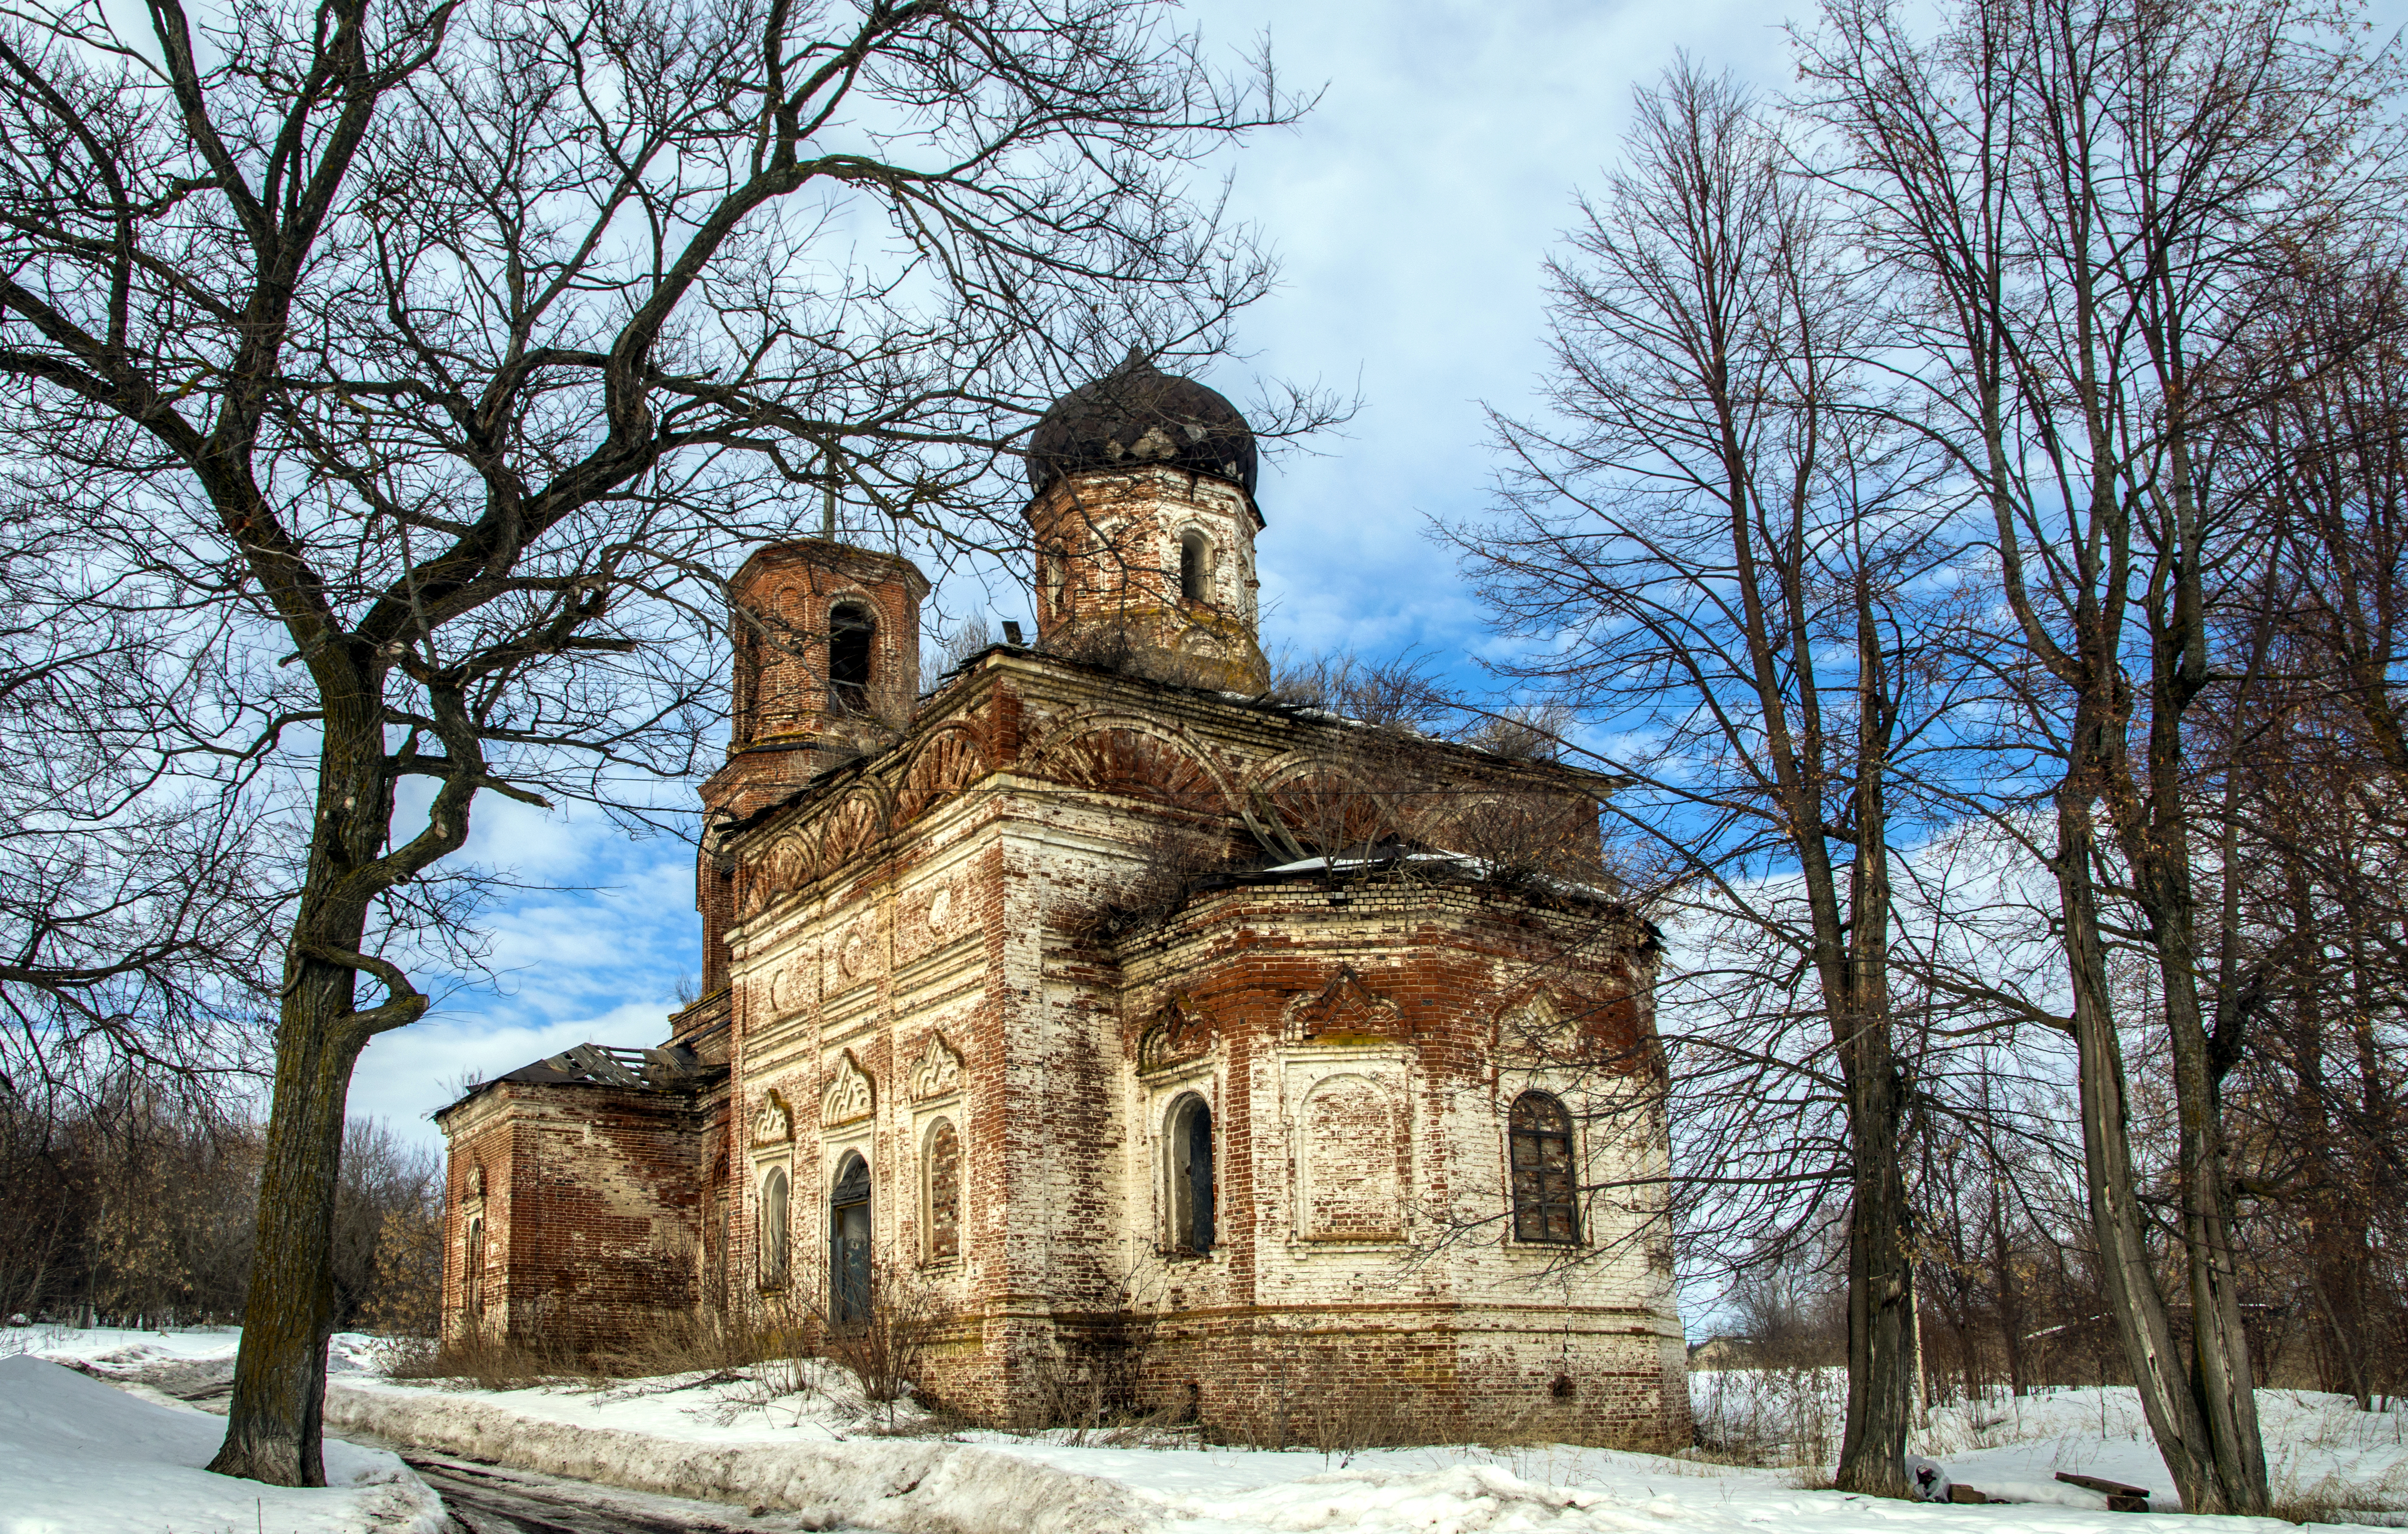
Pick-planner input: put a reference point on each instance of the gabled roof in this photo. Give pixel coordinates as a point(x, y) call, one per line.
point(662, 1069)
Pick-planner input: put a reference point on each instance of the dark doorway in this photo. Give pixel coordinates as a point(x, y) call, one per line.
point(848, 1244)
point(1191, 1176)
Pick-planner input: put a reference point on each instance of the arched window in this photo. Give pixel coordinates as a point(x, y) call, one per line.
point(774, 1194)
point(943, 1160)
point(852, 633)
point(473, 1280)
point(1194, 565)
point(1191, 1176)
point(848, 1244)
point(1545, 1209)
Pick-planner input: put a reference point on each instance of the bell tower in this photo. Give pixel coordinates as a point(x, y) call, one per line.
point(826, 642)
point(1144, 520)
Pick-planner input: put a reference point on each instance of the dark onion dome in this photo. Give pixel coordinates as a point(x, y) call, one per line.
point(1139, 414)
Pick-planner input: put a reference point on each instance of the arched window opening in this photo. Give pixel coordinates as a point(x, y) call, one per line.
point(848, 1244)
point(774, 1196)
point(1191, 1176)
point(944, 1192)
point(1057, 583)
point(1194, 565)
point(1544, 1206)
point(852, 631)
point(473, 1288)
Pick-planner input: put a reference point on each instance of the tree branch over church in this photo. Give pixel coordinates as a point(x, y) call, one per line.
point(423, 365)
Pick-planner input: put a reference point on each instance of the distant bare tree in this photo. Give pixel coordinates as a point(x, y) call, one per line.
point(2307, 798)
point(135, 922)
point(1717, 542)
point(2077, 202)
point(421, 365)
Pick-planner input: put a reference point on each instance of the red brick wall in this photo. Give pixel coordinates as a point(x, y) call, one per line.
point(594, 1210)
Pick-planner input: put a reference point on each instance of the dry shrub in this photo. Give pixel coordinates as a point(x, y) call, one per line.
point(405, 1297)
point(537, 1350)
point(883, 1352)
point(1112, 648)
point(2335, 1497)
point(1089, 1389)
point(694, 1341)
point(1396, 695)
point(479, 1361)
point(1529, 838)
point(1174, 860)
point(1783, 1416)
point(1532, 732)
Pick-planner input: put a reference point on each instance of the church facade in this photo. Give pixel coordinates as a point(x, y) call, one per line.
point(1177, 1046)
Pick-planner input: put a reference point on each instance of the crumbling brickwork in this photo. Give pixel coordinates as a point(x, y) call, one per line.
point(590, 1204)
point(1151, 560)
point(1149, 1100)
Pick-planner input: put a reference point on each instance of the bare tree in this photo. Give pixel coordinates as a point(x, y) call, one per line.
point(2074, 199)
point(134, 922)
point(429, 359)
point(2315, 843)
point(1717, 544)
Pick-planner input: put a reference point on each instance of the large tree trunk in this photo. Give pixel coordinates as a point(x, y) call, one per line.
point(1885, 1358)
point(1881, 1278)
point(2156, 837)
point(279, 1384)
point(2220, 1370)
point(2176, 1414)
point(275, 1417)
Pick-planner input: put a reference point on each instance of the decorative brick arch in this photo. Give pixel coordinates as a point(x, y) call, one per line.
point(945, 763)
point(1120, 753)
point(787, 869)
point(1176, 1033)
point(1323, 799)
point(1345, 1008)
point(851, 828)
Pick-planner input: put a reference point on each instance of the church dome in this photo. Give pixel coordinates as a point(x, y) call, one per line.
point(1138, 414)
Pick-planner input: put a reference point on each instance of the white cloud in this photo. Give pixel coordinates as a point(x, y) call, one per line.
point(409, 1073)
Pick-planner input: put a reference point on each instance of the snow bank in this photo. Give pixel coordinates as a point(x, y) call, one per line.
point(1609, 1495)
point(680, 1437)
point(124, 1352)
point(121, 1347)
point(908, 1487)
point(734, 1439)
point(78, 1457)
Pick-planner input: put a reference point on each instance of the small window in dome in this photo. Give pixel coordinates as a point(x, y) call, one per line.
point(1195, 563)
point(850, 631)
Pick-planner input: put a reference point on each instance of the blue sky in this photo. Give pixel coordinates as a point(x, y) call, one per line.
point(1411, 212)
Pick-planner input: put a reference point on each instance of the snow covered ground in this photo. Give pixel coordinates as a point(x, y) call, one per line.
point(820, 1450)
point(2320, 1449)
point(79, 1457)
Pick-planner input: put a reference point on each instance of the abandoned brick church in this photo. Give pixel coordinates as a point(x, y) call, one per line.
point(1177, 1041)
